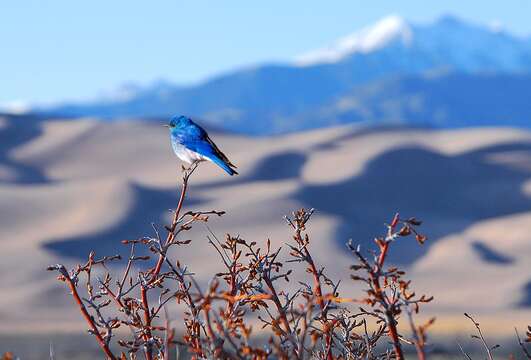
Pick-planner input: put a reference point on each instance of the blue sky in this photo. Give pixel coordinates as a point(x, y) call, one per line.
point(64, 49)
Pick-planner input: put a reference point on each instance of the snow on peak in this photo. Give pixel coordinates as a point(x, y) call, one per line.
point(16, 107)
point(371, 38)
point(496, 26)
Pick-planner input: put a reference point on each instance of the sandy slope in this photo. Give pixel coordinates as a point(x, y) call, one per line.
point(69, 186)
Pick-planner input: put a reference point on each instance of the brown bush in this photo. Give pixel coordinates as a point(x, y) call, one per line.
point(314, 321)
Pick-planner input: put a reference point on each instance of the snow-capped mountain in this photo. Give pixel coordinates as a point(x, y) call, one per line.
point(463, 46)
point(390, 29)
point(15, 107)
point(443, 55)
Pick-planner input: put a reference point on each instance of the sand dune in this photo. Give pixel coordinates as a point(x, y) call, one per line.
point(67, 187)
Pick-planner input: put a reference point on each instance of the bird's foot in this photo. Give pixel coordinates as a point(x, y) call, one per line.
point(191, 168)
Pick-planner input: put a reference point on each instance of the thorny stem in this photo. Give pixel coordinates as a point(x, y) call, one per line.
point(298, 224)
point(90, 320)
point(320, 300)
point(390, 320)
point(162, 257)
point(421, 354)
point(208, 331)
point(390, 306)
point(173, 226)
point(389, 316)
point(483, 341)
point(218, 346)
point(147, 322)
point(114, 296)
point(281, 313)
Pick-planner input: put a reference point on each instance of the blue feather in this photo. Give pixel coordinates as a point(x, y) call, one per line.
point(208, 149)
point(194, 138)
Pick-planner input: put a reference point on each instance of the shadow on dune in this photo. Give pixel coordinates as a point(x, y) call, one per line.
point(18, 131)
point(276, 167)
point(283, 166)
point(490, 255)
point(525, 301)
point(149, 206)
point(448, 192)
point(369, 129)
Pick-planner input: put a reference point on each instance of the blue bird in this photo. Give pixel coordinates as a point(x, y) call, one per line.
point(191, 144)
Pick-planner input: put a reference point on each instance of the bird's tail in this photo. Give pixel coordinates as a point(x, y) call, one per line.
point(224, 165)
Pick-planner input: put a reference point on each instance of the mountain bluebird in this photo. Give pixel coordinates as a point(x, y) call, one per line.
point(191, 144)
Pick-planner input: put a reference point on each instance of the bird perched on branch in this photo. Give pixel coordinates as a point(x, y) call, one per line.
point(192, 144)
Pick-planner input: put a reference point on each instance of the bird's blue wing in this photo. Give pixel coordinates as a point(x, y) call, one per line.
point(196, 139)
point(191, 133)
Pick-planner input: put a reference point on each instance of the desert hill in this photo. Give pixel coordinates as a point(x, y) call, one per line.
point(67, 187)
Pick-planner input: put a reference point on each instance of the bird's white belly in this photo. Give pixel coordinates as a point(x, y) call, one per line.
point(187, 155)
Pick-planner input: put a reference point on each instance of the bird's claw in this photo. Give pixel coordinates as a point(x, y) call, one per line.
point(190, 168)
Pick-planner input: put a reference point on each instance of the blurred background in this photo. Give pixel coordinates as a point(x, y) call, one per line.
point(358, 110)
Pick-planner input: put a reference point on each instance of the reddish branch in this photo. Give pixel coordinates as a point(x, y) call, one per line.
point(280, 308)
point(147, 322)
point(419, 335)
point(175, 221)
point(389, 308)
point(299, 224)
point(311, 322)
point(391, 304)
point(375, 276)
point(129, 306)
point(162, 257)
point(65, 276)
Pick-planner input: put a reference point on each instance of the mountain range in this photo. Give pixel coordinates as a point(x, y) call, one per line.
point(449, 73)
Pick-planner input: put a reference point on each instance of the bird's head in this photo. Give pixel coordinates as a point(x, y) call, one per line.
point(178, 122)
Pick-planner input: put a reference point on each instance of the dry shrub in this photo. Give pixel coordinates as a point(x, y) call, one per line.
point(313, 321)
